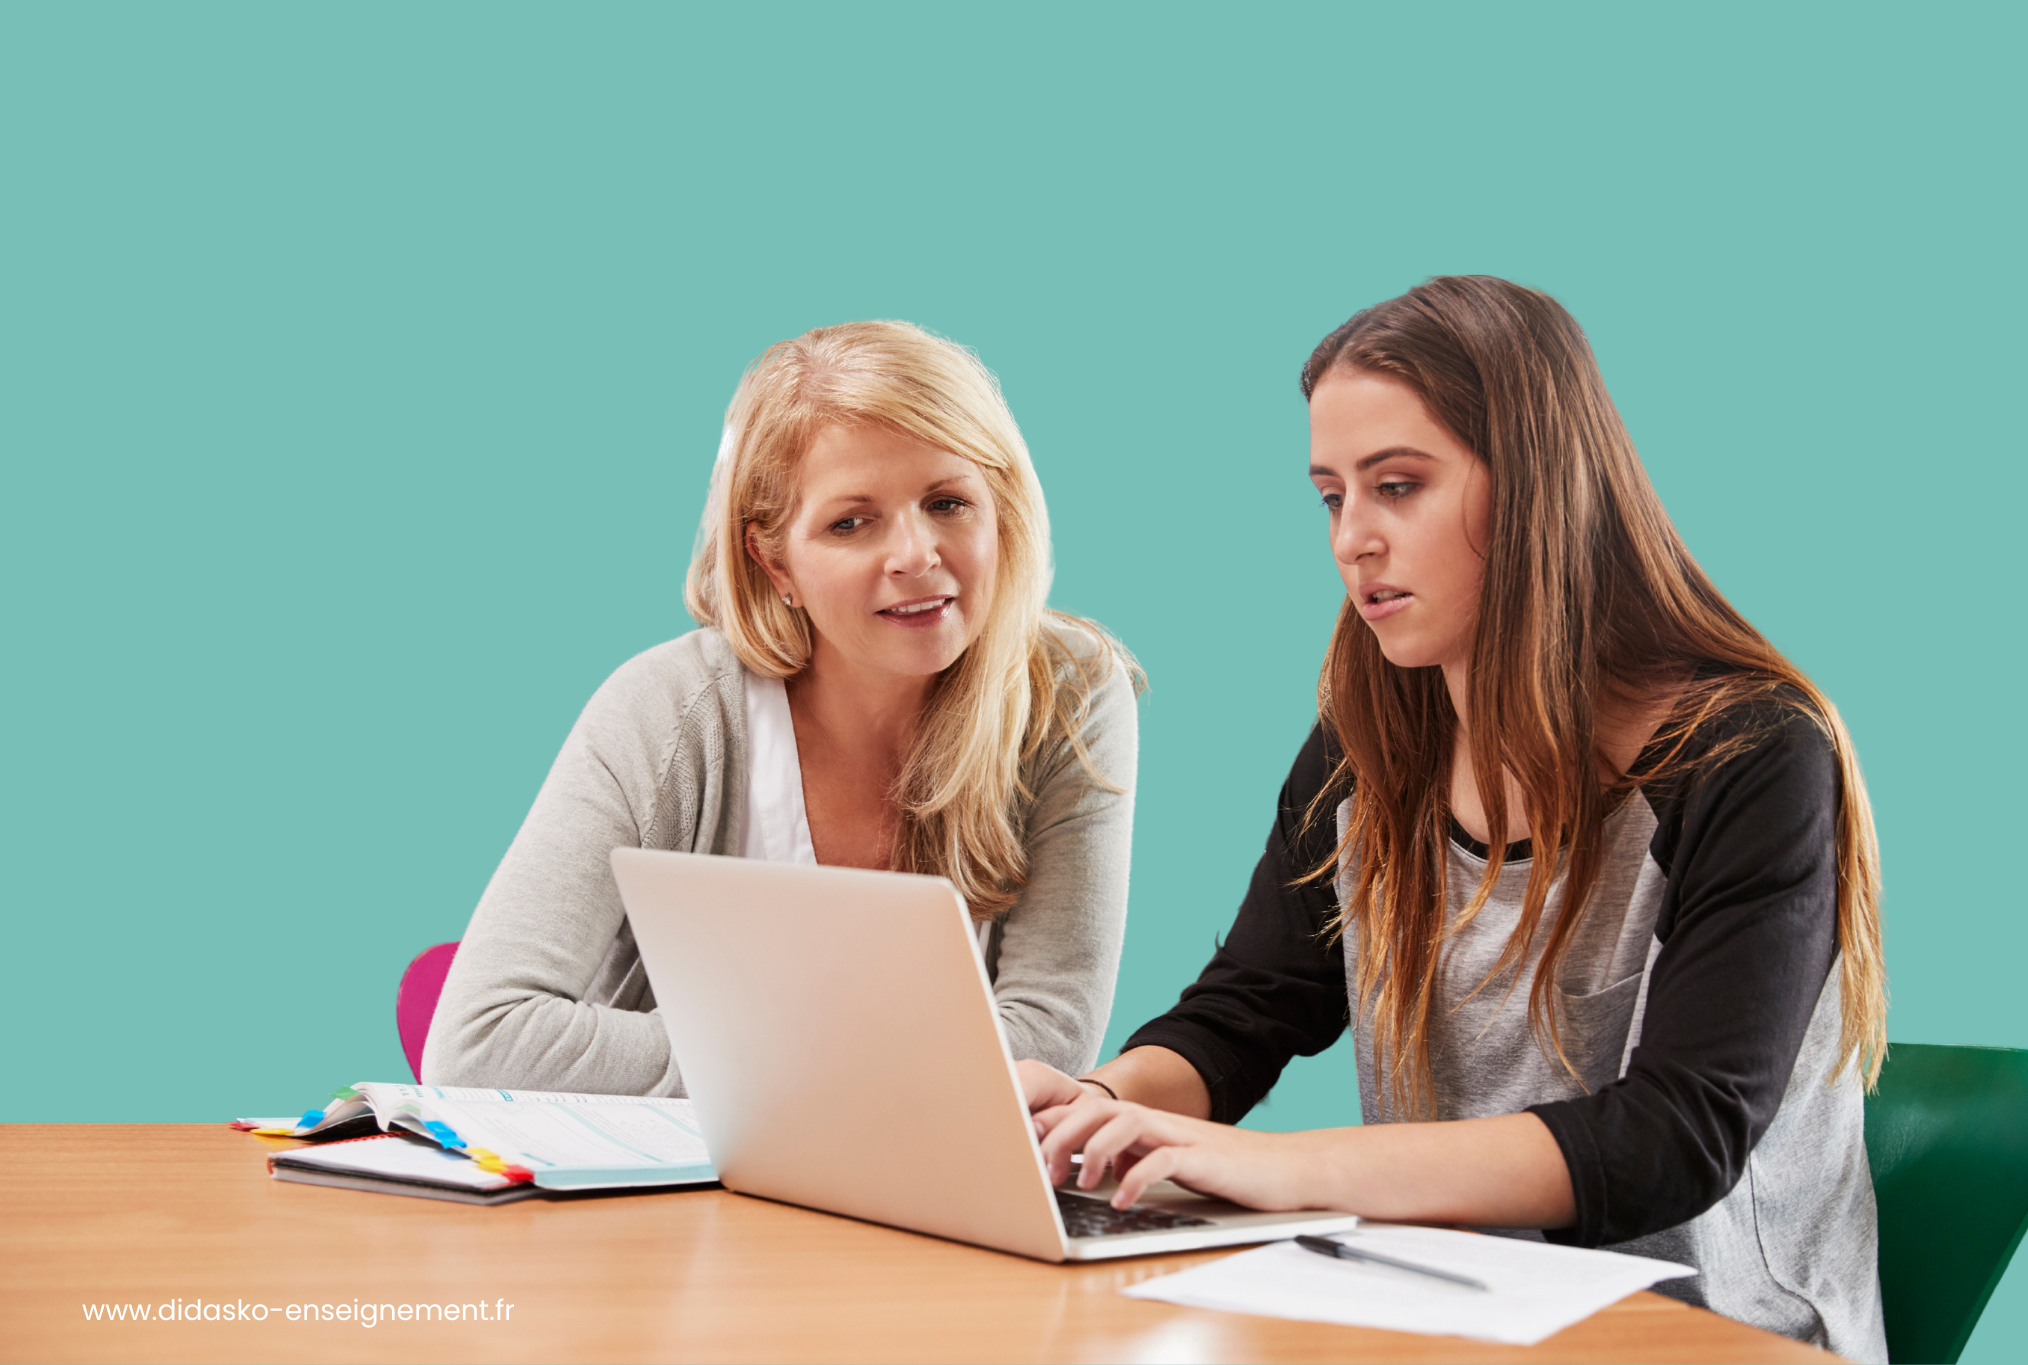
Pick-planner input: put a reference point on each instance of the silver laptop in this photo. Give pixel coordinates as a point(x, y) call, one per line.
point(837, 1035)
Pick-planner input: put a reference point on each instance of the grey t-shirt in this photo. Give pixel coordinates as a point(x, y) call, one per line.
point(1791, 1246)
point(548, 992)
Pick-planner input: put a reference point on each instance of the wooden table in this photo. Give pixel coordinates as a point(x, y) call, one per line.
point(154, 1213)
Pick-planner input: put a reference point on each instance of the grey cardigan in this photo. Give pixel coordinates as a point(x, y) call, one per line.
point(548, 992)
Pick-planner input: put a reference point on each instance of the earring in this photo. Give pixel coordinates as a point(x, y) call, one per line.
point(788, 601)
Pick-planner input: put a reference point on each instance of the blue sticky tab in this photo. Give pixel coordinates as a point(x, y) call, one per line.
point(442, 1133)
point(311, 1118)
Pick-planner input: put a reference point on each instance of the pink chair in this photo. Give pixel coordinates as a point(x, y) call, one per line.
point(415, 1000)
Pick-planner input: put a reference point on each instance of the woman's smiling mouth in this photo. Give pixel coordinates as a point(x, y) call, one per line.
point(923, 611)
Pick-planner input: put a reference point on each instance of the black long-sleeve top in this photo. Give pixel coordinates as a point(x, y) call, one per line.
point(1737, 876)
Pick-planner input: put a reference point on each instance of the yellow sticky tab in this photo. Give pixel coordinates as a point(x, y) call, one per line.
point(488, 1161)
point(274, 1132)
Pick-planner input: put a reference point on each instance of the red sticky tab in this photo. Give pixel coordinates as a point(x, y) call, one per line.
point(520, 1175)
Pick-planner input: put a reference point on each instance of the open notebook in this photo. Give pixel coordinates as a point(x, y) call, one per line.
point(550, 1140)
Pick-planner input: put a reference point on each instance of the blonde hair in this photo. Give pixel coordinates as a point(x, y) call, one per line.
point(1018, 685)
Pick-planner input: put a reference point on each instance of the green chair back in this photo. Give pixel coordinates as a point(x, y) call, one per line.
point(1947, 1138)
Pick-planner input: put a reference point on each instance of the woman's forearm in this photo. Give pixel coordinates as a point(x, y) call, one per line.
point(1158, 1078)
point(1495, 1172)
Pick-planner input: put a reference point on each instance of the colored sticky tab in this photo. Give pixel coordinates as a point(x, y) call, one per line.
point(344, 1092)
point(443, 1133)
point(272, 1132)
point(492, 1161)
point(311, 1118)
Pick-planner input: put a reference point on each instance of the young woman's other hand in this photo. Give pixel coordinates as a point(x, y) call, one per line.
point(1142, 1145)
point(1046, 1088)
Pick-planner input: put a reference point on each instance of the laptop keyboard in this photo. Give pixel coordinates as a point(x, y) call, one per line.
point(1084, 1216)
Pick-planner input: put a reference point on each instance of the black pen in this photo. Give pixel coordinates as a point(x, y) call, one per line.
point(1324, 1246)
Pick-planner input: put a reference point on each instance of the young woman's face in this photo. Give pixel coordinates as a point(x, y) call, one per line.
point(1408, 505)
point(892, 551)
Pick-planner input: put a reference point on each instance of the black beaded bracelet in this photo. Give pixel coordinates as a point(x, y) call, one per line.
point(1091, 1080)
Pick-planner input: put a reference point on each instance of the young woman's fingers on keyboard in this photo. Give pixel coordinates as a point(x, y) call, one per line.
point(1068, 1127)
point(1163, 1163)
point(1126, 1136)
point(1258, 1170)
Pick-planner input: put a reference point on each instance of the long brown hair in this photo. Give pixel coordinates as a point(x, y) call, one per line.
point(1590, 599)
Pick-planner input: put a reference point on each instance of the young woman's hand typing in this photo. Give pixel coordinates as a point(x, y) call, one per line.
point(1490, 1172)
point(1142, 1145)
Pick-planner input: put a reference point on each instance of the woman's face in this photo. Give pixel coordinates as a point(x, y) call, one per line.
point(1408, 505)
point(892, 550)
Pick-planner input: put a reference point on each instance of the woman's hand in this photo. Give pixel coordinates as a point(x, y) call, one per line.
point(1045, 1087)
point(1142, 1145)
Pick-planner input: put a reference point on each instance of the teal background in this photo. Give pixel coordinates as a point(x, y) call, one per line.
point(360, 370)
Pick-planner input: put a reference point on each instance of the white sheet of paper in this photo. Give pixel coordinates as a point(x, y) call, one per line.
point(1534, 1289)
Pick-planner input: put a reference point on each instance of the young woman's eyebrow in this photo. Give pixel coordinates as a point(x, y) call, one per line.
point(1392, 453)
point(1318, 471)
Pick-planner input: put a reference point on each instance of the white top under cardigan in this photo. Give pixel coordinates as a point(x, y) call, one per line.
point(777, 824)
point(548, 992)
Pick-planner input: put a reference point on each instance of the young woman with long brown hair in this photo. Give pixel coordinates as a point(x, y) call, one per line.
point(1585, 863)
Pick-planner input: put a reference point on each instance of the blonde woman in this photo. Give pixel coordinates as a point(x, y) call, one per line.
point(877, 683)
